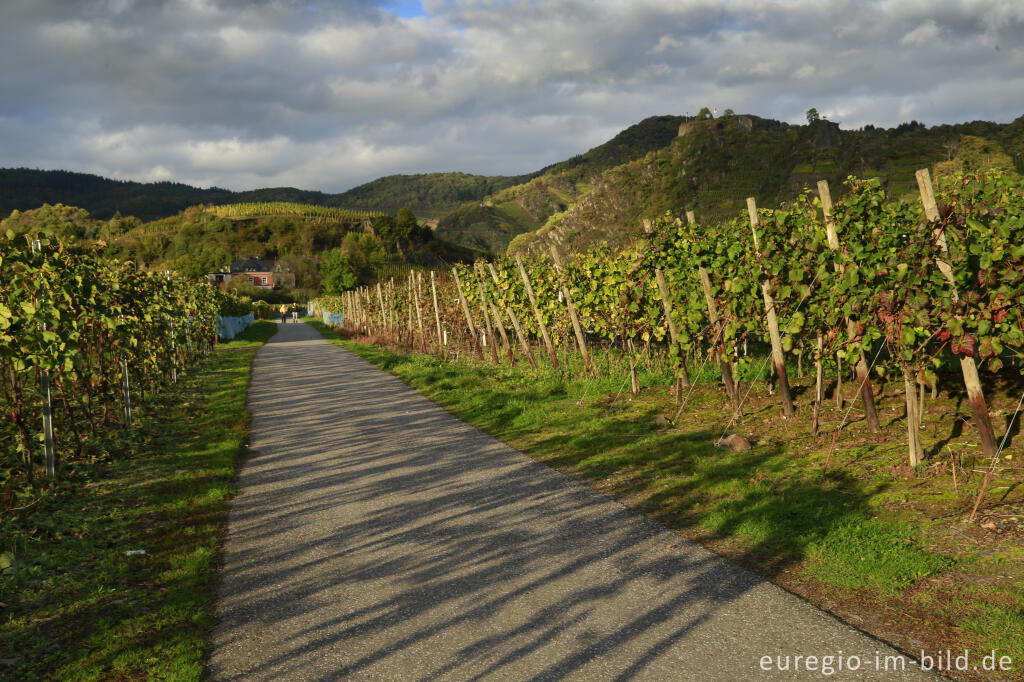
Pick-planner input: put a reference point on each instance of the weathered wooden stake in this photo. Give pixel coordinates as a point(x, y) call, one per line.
point(383, 314)
point(819, 386)
point(778, 358)
point(730, 386)
point(48, 443)
point(727, 379)
point(515, 321)
point(581, 340)
point(487, 316)
point(731, 389)
point(437, 313)
point(174, 356)
point(126, 395)
point(536, 314)
point(865, 390)
point(975, 394)
point(634, 382)
point(504, 337)
point(913, 425)
point(469, 318)
point(408, 305)
point(391, 304)
point(920, 402)
point(683, 378)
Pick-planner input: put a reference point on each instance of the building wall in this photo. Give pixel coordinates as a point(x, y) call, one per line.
point(261, 279)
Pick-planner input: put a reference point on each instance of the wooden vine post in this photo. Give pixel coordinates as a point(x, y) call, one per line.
point(173, 354)
point(469, 318)
point(49, 448)
point(383, 314)
point(408, 306)
point(581, 340)
point(437, 314)
point(417, 288)
point(487, 317)
point(865, 390)
point(778, 359)
point(683, 378)
point(705, 280)
point(634, 381)
point(536, 314)
point(126, 394)
point(969, 369)
point(391, 304)
point(819, 385)
point(366, 308)
point(504, 336)
point(515, 321)
point(915, 451)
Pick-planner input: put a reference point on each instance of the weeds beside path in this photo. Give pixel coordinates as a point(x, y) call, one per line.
point(114, 575)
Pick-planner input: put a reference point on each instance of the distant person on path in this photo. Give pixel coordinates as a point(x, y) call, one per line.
point(284, 314)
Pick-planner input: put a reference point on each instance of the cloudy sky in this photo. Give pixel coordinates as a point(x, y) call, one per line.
point(323, 94)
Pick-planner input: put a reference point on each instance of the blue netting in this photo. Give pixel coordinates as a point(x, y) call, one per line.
point(333, 319)
point(230, 327)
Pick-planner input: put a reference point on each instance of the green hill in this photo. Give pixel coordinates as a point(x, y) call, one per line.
point(203, 239)
point(712, 166)
point(429, 195)
point(492, 223)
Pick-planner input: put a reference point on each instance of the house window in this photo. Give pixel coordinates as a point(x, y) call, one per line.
point(251, 280)
point(264, 281)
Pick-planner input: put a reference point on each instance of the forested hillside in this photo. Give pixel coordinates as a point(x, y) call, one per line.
point(715, 164)
point(204, 239)
point(491, 224)
point(428, 195)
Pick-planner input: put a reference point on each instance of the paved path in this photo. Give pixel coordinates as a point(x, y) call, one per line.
point(376, 537)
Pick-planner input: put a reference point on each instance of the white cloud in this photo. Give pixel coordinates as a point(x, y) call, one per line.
point(925, 33)
point(328, 95)
point(667, 42)
point(67, 34)
point(804, 71)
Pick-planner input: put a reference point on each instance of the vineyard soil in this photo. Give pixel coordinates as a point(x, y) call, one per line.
point(883, 545)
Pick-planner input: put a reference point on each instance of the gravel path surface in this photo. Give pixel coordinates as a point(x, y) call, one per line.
point(376, 537)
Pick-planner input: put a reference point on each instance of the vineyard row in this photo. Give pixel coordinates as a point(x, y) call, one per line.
point(282, 208)
point(81, 338)
point(888, 287)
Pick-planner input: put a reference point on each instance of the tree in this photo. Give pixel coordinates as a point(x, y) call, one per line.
point(405, 224)
point(336, 272)
point(365, 253)
point(305, 271)
point(812, 116)
point(384, 227)
point(727, 113)
point(704, 114)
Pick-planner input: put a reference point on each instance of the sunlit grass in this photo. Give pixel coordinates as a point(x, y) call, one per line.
point(77, 605)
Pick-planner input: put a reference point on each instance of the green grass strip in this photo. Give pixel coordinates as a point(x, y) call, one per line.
point(115, 576)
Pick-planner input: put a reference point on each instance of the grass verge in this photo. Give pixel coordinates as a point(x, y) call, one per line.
point(114, 578)
point(879, 544)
